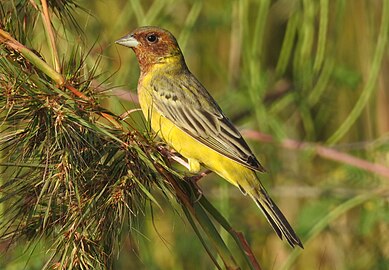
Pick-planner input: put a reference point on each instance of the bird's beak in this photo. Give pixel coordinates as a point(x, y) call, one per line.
point(128, 41)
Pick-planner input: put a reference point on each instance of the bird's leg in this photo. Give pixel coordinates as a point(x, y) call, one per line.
point(194, 179)
point(199, 176)
point(195, 167)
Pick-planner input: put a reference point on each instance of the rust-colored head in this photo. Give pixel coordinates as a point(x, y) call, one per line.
point(152, 45)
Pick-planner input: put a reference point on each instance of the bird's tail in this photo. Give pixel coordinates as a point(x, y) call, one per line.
point(274, 216)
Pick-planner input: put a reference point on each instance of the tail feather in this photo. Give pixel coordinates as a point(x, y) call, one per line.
point(275, 217)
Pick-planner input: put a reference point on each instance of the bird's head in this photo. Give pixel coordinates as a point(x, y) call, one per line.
point(152, 45)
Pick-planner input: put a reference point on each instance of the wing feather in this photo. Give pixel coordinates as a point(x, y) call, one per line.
point(187, 103)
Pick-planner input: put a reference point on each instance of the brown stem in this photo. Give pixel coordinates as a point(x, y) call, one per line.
point(50, 35)
point(33, 4)
point(322, 151)
point(247, 249)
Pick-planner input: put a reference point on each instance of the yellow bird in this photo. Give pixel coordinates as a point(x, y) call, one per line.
point(185, 116)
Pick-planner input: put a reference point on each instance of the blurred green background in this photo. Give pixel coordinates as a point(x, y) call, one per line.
point(312, 71)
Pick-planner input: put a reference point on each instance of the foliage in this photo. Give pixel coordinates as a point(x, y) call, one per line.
point(75, 177)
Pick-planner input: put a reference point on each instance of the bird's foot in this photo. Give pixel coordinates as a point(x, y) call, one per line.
point(194, 180)
point(199, 176)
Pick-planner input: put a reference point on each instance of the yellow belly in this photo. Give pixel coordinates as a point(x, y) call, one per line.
point(190, 148)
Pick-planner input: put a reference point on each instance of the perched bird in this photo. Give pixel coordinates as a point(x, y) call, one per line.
point(185, 116)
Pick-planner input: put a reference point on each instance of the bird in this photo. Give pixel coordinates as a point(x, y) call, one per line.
point(184, 115)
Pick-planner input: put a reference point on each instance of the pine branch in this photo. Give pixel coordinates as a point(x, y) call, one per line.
point(69, 177)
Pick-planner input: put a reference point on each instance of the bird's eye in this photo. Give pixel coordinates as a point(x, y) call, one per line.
point(152, 38)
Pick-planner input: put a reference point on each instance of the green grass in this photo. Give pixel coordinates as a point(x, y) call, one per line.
point(311, 71)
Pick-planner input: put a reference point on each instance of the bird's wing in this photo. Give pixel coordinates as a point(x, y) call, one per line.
point(185, 102)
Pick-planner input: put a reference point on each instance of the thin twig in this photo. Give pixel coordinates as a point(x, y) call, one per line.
point(126, 114)
point(322, 151)
point(126, 94)
point(50, 35)
point(33, 4)
point(247, 249)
